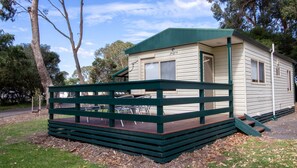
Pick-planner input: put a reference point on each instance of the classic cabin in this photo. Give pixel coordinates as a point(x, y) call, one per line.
point(186, 89)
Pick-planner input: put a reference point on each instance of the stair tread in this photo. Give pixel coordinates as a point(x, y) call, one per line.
point(249, 122)
point(259, 128)
point(241, 117)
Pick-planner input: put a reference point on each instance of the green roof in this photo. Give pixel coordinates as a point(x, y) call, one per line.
point(181, 36)
point(178, 36)
point(120, 73)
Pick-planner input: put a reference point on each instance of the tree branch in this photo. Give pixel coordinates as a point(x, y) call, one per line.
point(80, 25)
point(68, 24)
point(56, 8)
point(41, 14)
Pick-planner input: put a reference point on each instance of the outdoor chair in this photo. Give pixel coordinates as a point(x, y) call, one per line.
point(125, 108)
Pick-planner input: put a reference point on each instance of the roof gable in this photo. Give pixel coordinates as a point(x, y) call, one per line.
point(178, 36)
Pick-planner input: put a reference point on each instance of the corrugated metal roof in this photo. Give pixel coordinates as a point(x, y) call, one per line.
point(178, 36)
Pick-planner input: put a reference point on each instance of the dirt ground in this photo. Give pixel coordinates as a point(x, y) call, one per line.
point(283, 128)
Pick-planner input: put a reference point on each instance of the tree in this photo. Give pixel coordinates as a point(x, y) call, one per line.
point(86, 71)
point(18, 79)
point(115, 52)
point(108, 60)
point(102, 70)
point(70, 37)
point(51, 60)
point(265, 20)
point(8, 11)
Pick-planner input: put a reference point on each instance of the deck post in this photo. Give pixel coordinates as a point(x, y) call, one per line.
point(51, 106)
point(201, 91)
point(160, 126)
point(230, 80)
point(95, 94)
point(111, 109)
point(77, 107)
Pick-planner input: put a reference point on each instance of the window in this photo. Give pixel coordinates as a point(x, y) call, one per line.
point(160, 70)
point(289, 81)
point(152, 71)
point(277, 70)
point(258, 71)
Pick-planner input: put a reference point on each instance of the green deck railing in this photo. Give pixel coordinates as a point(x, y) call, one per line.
point(159, 86)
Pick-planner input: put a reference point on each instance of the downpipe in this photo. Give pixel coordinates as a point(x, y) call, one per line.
point(272, 82)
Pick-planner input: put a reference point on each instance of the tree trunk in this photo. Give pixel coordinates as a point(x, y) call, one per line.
point(46, 81)
point(78, 69)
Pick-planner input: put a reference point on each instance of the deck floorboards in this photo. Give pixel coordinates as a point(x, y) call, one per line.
point(145, 127)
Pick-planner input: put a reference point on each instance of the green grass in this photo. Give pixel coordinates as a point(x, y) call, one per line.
point(261, 153)
point(16, 151)
point(14, 106)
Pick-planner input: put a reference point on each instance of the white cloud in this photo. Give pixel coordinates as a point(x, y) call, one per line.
point(191, 3)
point(139, 30)
point(134, 36)
point(62, 49)
point(83, 53)
point(96, 14)
point(89, 43)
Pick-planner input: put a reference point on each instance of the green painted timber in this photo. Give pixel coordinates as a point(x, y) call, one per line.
point(247, 129)
point(51, 106)
point(140, 117)
point(146, 84)
point(201, 91)
point(160, 112)
point(279, 113)
point(257, 123)
point(77, 107)
point(144, 101)
point(111, 109)
point(161, 148)
point(230, 80)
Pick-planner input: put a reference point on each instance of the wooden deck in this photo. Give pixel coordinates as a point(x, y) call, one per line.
point(146, 127)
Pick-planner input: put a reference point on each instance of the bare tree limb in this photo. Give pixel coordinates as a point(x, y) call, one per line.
point(68, 24)
point(56, 8)
point(41, 14)
point(80, 25)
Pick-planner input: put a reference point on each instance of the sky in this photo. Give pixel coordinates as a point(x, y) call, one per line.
point(106, 21)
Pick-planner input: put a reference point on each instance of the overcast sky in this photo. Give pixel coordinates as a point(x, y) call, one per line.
point(106, 21)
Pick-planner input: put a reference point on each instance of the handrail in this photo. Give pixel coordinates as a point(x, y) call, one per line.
point(159, 86)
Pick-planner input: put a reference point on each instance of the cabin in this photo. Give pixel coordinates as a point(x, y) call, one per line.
point(262, 80)
point(182, 89)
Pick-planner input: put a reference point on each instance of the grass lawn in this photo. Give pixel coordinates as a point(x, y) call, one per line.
point(262, 153)
point(15, 106)
point(16, 151)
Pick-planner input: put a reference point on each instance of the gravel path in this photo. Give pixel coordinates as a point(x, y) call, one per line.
point(283, 128)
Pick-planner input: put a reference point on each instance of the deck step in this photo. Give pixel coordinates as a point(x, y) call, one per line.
point(259, 128)
point(250, 126)
point(249, 122)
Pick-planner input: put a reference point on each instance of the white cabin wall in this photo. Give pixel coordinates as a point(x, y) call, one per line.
point(187, 69)
point(283, 97)
point(259, 95)
point(221, 76)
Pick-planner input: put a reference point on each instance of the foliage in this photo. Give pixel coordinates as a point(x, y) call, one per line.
point(19, 77)
point(268, 21)
point(86, 71)
point(115, 52)
point(16, 151)
point(109, 60)
point(7, 10)
point(103, 69)
point(258, 152)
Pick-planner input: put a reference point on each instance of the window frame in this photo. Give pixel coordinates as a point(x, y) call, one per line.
point(278, 69)
point(159, 64)
point(257, 81)
point(289, 81)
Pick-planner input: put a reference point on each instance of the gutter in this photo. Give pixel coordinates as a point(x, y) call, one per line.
point(272, 82)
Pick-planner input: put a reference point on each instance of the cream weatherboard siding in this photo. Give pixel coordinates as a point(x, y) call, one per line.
point(283, 97)
point(259, 95)
point(221, 76)
point(187, 68)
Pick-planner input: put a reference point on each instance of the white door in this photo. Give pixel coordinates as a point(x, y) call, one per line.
point(208, 65)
